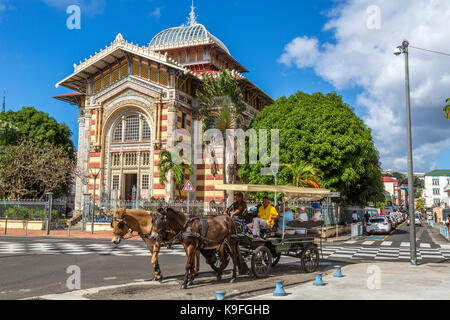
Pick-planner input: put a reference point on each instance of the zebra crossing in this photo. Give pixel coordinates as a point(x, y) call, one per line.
point(385, 250)
point(42, 248)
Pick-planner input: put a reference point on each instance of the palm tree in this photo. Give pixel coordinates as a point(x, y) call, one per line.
point(447, 109)
point(222, 108)
point(226, 117)
point(304, 174)
point(167, 165)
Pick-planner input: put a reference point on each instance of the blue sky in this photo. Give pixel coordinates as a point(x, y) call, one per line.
point(37, 50)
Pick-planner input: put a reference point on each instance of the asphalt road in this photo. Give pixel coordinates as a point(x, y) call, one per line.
point(38, 266)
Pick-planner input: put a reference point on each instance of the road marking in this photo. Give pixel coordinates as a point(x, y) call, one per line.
point(350, 242)
point(368, 243)
point(445, 246)
point(404, 244)
point(386, 243)
point(425, 245)
point(110, 278)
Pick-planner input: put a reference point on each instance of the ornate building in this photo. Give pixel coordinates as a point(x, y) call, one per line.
point(131, 99)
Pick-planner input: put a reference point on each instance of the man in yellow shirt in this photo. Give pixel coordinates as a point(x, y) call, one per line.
point(266, 218)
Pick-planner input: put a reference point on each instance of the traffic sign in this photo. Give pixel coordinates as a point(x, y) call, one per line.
point(188, 187)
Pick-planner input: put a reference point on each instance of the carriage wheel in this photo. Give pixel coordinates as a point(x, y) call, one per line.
point(310, 259)
point(276, 259)
point(261, 262)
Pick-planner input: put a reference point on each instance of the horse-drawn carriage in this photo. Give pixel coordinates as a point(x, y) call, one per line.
point(265, 253)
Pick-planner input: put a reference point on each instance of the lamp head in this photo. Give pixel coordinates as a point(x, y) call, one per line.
point(398, 51)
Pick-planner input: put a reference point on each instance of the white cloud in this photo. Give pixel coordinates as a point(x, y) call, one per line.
point(88, 7)
point(363, 57)
point(302, 51)
point(156, 13)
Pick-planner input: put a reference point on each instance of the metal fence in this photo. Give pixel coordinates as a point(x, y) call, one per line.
point(444, 232)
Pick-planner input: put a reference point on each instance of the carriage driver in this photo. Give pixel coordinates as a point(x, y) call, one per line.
point(238, 208)
point(266, 218)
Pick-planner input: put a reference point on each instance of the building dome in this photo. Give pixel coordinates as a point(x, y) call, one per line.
point(180, 36)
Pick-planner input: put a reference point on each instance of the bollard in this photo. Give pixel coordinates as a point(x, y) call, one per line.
point(6, 224)
point(318, 281)
point(220, 295)
point(338, 273)
point(279, 290)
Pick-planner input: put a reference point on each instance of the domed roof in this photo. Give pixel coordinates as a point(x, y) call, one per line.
point(183, 34)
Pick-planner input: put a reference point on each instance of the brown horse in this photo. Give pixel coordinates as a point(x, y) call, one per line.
point(213, 233)
point(140, 221)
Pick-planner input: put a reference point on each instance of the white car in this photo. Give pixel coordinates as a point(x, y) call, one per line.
point(417, 220)
point(378, 224)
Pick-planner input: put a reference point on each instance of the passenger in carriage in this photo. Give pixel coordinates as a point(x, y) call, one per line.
point(301, 216)
point(267, 214)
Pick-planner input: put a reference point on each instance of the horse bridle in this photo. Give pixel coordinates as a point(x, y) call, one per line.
point(121, 223)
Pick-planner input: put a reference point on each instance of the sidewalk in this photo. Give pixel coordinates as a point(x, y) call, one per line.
point(375, 281)
point(435, 234)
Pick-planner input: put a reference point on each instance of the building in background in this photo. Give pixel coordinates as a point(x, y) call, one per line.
point(131, 100)
point(391, 186)
point(437, 189)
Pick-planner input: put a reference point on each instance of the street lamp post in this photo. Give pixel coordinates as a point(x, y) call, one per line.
point(95, 174)
point(399, 50)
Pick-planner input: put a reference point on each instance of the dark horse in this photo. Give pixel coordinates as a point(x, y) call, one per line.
point(200, 235)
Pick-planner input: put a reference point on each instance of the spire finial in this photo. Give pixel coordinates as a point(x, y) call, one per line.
point(192, 20)
point(4, 101)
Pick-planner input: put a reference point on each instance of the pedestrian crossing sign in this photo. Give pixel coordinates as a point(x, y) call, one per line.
point(188, 187)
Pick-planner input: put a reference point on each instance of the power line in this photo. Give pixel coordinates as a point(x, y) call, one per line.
point(438, 52)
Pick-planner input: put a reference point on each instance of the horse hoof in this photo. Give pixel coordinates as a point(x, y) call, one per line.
point(233, 281)
point(183, 287)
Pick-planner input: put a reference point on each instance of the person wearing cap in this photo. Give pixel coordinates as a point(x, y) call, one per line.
point(317, 212)
point(301, 216)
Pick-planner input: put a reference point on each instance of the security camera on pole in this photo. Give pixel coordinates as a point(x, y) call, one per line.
point(398, 51)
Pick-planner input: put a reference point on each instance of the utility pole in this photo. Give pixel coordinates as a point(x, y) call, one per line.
point(412, 232)
point(4, 101)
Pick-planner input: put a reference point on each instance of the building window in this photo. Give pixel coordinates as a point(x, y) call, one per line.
point(130, 159)
point(183, 120)
point(118, 133)
point(146, 132)
point(145, 181)
point(115, 183)
point(145, 158)
point(435, 182)
point(437, 201)
point(132, 128)
point(116, 159)
point(436, 192)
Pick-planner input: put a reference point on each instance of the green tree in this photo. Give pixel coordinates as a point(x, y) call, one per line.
point(167, 165)
point(420, 205)
point(447, 109)
point(9, 134)
point(41, 128)
point(304, 174)
point(28, 171)
point(325, 132)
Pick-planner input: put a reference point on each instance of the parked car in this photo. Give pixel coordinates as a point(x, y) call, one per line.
point(418, 219)
point(392, 221)
point(379, 224)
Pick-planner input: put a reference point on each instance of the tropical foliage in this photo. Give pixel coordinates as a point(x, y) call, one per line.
point(9, 134)
point(447, 109)
point(167, 165)
point(325, 132)
point(222, 108)
point(304, 174)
